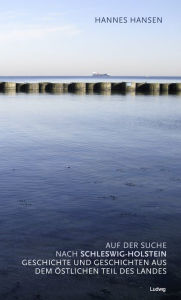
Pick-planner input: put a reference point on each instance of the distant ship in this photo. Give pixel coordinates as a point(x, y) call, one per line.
point(95, 74)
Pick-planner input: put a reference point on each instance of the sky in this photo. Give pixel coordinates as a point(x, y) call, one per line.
point(60, 37)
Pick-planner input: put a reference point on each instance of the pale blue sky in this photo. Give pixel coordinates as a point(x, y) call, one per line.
point(59, 37)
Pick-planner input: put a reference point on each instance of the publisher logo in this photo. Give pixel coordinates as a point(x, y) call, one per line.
point(158, 289)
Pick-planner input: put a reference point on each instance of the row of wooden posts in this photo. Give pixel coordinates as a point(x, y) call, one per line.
point(120, 87)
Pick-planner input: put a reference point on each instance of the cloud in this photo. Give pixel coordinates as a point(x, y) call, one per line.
point(38, 32)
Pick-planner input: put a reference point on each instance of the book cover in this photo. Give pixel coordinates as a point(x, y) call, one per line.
point(90, 172)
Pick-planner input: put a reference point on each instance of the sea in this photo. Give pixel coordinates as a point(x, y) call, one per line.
point(68, 79)
point(80, 171)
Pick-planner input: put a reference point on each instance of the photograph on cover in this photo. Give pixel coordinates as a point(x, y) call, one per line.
point(90, 146)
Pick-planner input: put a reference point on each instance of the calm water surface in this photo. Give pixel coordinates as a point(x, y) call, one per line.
point(77, 171)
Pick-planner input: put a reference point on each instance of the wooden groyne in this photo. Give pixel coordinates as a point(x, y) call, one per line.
point(91, 87)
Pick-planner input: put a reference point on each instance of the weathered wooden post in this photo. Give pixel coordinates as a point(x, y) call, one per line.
point(164, 88)
point(77, 86)
point(90, 87)
point(43, 87)
point(8, 86)
point(30, 87)
point(118, 87)
point(102, 86)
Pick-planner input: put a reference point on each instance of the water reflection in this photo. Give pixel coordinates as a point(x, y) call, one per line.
point(9, 92)
point(21, 89)
point(76, 174)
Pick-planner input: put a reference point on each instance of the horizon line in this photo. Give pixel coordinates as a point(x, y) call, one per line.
point(141, 76)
